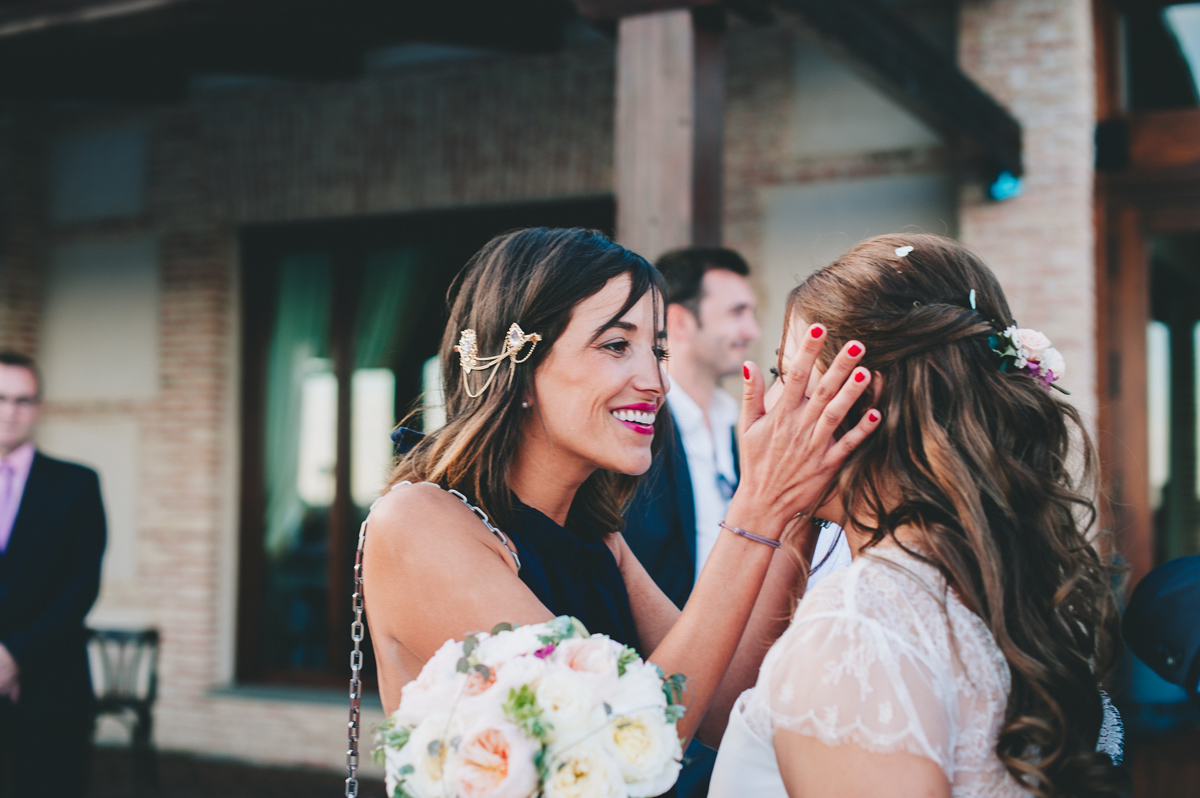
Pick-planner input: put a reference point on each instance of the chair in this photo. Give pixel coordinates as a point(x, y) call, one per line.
point(125, 679)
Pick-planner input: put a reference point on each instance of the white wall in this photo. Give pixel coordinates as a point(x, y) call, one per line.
point(807, 225)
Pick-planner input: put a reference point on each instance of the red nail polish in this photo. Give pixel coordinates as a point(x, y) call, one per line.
point(859, 376)
point(817, 332)
point(746, 372)
point(855, 350)
point(873, 416)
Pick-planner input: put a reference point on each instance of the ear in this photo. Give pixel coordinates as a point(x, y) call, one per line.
point(680, 320)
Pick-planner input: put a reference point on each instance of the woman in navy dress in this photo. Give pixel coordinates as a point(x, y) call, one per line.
point(553, 375)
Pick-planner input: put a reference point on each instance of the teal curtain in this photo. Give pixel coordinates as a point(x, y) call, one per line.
point(391, 287)
point(385, 304)
point(300, 335)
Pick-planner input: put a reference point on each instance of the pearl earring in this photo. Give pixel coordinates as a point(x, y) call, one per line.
point(525, 405)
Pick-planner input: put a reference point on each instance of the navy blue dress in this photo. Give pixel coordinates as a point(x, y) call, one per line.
point(572, 574)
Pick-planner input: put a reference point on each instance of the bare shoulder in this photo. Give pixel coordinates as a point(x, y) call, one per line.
point(423, 520)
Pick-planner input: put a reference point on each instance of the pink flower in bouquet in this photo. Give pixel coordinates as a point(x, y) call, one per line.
point(594, 659)
point(497, 761)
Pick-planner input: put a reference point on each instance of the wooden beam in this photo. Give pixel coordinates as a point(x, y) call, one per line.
point(615, 9)
point(668, 150)
point(1162, 139)
point(1125, 444)
point(881, 44)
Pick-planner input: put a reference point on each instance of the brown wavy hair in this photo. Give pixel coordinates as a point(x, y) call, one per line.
point(994, 474)
point(534, 277)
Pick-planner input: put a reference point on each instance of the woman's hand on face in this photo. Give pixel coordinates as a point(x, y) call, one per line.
point(790, 454)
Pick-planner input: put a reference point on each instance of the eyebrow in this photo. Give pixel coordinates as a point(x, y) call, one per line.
point(620, 325)
point(628, 327)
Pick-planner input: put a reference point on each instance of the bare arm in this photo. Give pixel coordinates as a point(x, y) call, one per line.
point(432, 572)
point(811, 769)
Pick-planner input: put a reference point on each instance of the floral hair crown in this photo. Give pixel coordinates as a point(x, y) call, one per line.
point(515, 341)
point(1029, 351)
point(1021, 349)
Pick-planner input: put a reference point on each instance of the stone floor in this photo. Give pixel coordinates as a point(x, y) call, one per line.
point(182, 776)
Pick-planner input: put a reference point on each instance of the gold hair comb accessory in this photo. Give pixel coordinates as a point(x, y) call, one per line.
point(515, 341)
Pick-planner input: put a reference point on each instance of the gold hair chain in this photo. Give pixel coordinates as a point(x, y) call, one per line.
point(515, 340)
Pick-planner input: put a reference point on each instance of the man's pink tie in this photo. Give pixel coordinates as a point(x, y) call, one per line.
point(6, 497)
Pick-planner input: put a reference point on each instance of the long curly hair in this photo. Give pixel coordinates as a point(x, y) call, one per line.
point(994, 474)
point(534, 277)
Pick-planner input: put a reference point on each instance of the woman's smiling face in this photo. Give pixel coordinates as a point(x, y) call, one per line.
point(601, 386)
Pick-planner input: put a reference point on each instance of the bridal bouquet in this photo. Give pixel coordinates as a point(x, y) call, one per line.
point(541, 710)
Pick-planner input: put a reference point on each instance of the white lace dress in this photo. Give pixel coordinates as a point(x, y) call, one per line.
point(883, 656)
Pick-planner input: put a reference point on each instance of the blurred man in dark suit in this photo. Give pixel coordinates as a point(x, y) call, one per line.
point(52, 535)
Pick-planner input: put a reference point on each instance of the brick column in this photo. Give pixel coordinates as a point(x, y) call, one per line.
point(1036, 57)
point(20, 206)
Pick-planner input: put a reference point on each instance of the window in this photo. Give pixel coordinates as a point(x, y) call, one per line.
point(340, 320)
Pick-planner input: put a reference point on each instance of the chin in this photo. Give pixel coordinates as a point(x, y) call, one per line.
point(633, 466)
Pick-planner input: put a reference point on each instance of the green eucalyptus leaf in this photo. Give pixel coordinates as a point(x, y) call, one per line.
point(470, 643)
point(406, 770)
point(503, 626)
point(484, 671)
point(463, 665)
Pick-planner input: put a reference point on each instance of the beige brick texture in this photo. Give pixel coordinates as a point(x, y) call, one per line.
point(1036, 58)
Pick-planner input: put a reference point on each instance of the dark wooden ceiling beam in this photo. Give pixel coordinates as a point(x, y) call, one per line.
point(151, 52)
point(879, 43)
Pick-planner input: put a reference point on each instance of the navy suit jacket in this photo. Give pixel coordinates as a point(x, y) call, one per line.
point(660, 524)
point(49, 578)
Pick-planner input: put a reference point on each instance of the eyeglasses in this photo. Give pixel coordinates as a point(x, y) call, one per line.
point(23, 403)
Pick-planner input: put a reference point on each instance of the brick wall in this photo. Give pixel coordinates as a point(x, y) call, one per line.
point(1035, 57)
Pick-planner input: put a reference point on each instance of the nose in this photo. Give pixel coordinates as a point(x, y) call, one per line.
point(651, 376)
point(753, 331)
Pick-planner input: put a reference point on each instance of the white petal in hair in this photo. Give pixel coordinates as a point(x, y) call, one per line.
point(903, 251)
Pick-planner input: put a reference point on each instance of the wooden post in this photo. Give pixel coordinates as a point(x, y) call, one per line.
point(670, 76)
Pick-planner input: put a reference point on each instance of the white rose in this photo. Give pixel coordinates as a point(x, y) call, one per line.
point(434, 689)
point(585, 770)
point(1032, 342)
point(647, 750)
point(1052, 360)
point(496, 761)
point(568, 705)
point(640, 688)
point(510, 645)
point(486, 698)
point(594, 659)
point(431, 753)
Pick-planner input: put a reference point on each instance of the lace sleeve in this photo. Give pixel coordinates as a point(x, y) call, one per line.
point(844, 678)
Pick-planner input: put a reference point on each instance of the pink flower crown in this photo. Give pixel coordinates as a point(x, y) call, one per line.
point(1029, 351)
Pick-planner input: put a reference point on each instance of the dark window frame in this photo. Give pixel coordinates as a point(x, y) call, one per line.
point(458, 233)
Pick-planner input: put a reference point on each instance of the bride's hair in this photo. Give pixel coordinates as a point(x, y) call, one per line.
point(534, 277)
point(995, 476)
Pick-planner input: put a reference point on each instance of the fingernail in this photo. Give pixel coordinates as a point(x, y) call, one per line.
point(873, 416)
point(859, 376)
point(745, 372)
point(855, 350)
point(817, 331)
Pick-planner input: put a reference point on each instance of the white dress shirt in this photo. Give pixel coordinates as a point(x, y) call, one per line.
point(709, 449)
point(710, 456)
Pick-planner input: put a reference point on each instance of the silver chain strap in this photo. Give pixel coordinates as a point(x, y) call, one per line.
point(357, 631)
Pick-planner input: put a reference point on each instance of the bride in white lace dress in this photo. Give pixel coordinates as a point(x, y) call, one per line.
point(958, 654)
